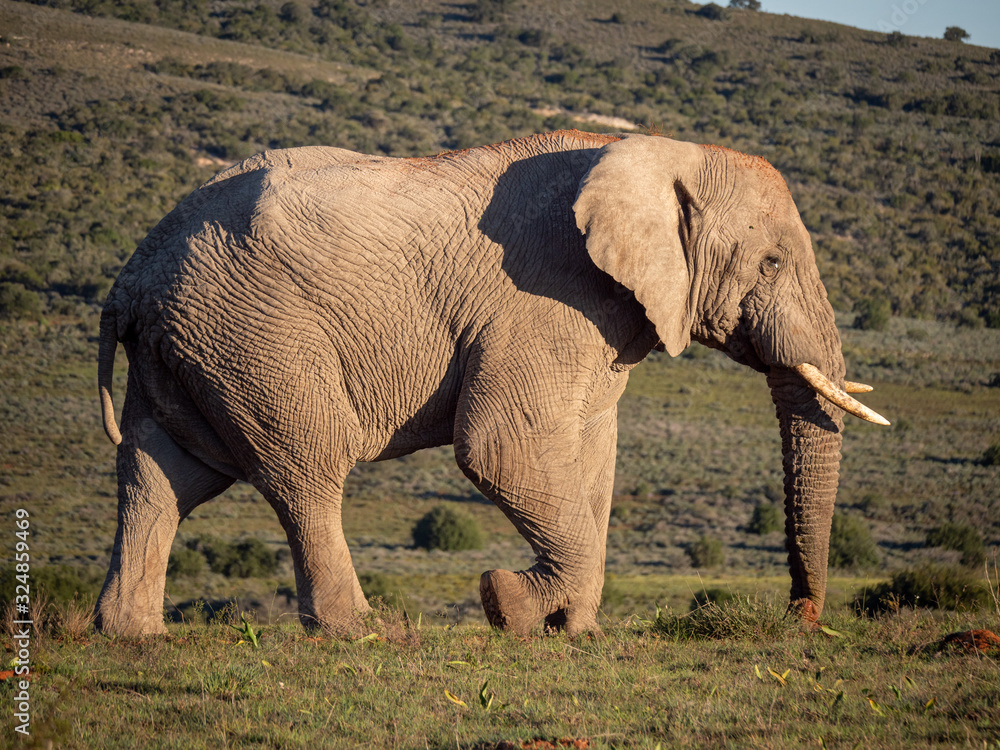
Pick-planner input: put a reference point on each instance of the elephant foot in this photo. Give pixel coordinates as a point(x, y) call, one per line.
point(350, 626)
point(565, 620)
point(507, 604)
point(116, 621)
point(807, 612)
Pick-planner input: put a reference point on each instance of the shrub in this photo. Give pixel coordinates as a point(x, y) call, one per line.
point(59, 583)
point(745, 4)
point(16, 302)
point(717, 597)
point(448, 529)
point(991, 456)
point(489, 11)
point(962, 538)
point(895, 38)
point(185, 562)
point(851, 544)
point(871, 503)
point(250, 558)
point(765, 519)
point(932, 586)
point(712, 12)
point(872, 314)
point(706, 553)
point(955, 34)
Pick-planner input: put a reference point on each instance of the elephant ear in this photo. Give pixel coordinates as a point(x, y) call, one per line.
point(634, 206)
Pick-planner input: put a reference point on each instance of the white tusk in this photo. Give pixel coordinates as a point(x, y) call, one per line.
point(852, 387)
point(822, 385)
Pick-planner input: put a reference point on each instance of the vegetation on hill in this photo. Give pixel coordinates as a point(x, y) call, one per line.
point(890, 143)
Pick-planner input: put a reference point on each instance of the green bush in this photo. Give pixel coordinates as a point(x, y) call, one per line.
point(873, 314)
point(706, 553)
point(933, 586)
point(991, 456)
point(16, 302)
point(872, 503)
point(448, 529)
point(962, 538)
point(250, 558)
point(716, 596)
point(955, 34)
point(712, 12)
point(186, 562)
point(851, 544)
point(765, 519)
point(63, 583)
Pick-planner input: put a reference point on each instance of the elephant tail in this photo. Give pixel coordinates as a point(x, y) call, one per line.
point(105, 372)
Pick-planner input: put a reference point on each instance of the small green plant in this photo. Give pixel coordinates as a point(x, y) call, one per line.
point(706, 553)
point(448, 529)
point(932, 586)
point(766, 518)
point(962, 538)
point(247, 631)
point(851, 544)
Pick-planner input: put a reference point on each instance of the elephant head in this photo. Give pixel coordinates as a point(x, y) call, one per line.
point(712, 245)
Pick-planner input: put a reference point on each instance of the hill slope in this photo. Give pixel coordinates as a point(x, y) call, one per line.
point(891, 145)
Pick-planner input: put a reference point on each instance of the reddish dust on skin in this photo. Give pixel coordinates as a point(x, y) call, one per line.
point(806, 611)
point(972, 640)
point(749, 162)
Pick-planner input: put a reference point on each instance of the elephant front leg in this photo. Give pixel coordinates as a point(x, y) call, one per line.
point(541, 480)
point(600, 443)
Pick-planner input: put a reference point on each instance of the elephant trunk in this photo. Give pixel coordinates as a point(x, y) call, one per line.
point(811, 436)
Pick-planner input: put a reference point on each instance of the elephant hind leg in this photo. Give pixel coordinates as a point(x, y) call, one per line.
point(159, 483)
point(329, 594)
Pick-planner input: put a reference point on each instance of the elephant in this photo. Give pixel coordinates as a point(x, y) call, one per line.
point(310, 308)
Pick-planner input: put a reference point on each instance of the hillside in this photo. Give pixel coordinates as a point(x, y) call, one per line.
point(891, 146)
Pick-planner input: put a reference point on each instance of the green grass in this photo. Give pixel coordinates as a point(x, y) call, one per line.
point(743, 677)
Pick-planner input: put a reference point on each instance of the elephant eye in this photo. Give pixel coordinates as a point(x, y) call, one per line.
point(770, 265)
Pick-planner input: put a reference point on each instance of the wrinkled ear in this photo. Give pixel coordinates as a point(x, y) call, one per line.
point(634, 205)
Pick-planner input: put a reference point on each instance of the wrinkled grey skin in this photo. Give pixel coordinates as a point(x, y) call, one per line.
point(312, 308)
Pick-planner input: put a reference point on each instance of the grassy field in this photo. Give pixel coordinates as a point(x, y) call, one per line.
point(892, 151)
point(746, 679)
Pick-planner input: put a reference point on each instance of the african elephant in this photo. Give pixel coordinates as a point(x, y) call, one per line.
point(311, 308)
